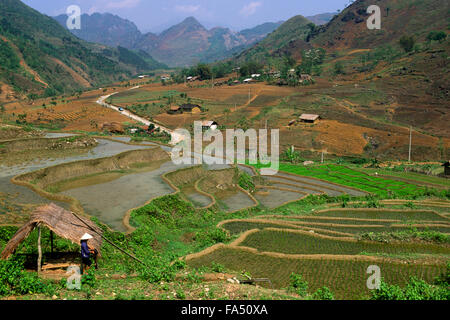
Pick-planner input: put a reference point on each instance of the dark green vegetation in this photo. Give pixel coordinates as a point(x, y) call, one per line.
point(15, 281)
point(55, 55)
point(416, 289)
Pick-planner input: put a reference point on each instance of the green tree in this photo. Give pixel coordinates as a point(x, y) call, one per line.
point(250, 68)
point(407, 43)
point(339, 68)
point(203, 71)
point(437, 36)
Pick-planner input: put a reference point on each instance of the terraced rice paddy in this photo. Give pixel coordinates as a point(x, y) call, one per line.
point(234, 201)
point(326, 249)
point(272, 198)
point(303, 242)
point(346, 278)
point(344, 176)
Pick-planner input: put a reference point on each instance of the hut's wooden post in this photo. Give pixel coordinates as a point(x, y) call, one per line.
point(39, 262)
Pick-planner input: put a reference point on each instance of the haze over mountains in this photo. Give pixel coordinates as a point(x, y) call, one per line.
point(183, 44)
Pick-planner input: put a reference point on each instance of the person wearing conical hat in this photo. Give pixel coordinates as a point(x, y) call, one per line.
point(86, 252)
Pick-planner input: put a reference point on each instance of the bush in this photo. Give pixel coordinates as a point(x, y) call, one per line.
point(388, 292)
point(298, 284)
point(246, 182)
point(211, 237)
point(416, 289)
point(157, 269)
point(15, 280)
point(323, 294)
point(291, 156)
point(437, 36)
point(339, 68)
point(89, 279)
point(217, 267)
point(407, 43)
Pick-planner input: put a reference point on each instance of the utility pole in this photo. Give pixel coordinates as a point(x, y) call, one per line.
point(410, 140)
point(321, 160)
point(249, 96)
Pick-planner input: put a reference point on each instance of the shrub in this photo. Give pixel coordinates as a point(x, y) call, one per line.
point(298, 284)
point(323, 294)
point(416, 289)
point(338, 68)
point(387, 292)
point(15, 280)
point(437, 36)
point(211, 237)
point(217, 267)
point(89, 278)
point(407, 43)
point(246, 181)
point(291, 156)
point(157, 269)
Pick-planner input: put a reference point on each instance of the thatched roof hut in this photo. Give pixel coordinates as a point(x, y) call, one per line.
point(63, 223)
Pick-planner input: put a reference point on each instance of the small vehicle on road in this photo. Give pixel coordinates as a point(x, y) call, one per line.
point(120, 109)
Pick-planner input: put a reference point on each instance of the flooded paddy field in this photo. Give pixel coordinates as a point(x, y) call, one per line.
point(109, 191)
point(235, 200)
point(24, 196)
point(272, 198)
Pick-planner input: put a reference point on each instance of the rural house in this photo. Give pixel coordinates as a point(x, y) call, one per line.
point(174, 110)
point(309, 118)
point(208, 124)
point(192, 79)
point(191, 108)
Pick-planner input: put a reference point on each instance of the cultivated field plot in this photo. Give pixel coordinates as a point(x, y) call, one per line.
point(304, 242)
point(328, 247)
point(345, 176)
point(346, 278)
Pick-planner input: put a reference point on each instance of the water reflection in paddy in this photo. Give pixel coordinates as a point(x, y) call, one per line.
point(24, 195)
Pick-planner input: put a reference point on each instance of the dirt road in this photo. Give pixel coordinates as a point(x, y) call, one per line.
point(176, 137)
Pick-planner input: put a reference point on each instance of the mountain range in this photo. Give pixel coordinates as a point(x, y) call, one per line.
point(183, 44)
point(39, 56)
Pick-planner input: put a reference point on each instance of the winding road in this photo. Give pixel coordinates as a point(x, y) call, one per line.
point(176, 137)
